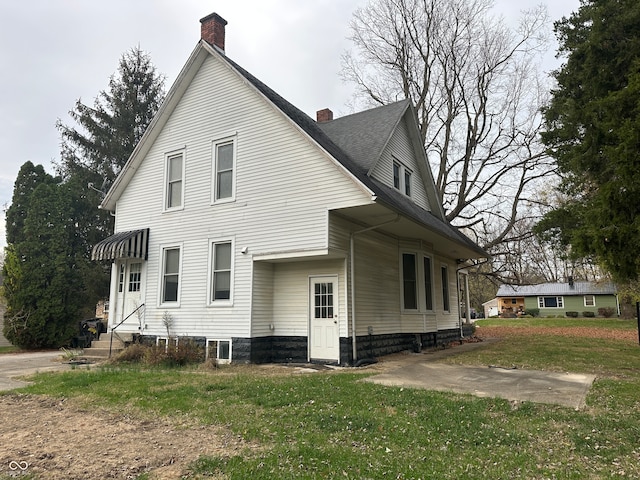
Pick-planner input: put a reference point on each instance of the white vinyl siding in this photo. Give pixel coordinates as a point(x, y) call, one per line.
point(291, 295)
point(284, 190)
point(400, 151)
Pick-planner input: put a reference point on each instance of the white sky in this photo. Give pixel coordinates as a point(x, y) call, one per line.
point(53, 52)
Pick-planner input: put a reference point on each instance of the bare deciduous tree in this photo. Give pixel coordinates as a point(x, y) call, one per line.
point(478, 92)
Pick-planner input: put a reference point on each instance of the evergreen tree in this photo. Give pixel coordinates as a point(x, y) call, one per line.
point(593, 131)
point(107, 133)
point(29, 177)
point(43, 289)
point(95, 149)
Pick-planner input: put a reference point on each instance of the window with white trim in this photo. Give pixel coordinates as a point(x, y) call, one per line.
point(445, 289)
point(402, 178)
point(220, 350)
point(409, 282)
point(428, 282)
point(589, 300)
point(170, 275)
point(224, 170)
point(221, 267)
point(550, 302)
point(174, 193)
point(164, 342)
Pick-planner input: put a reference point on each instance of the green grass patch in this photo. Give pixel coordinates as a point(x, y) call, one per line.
point(10, 349)
point(609, 323)
point(332, 425)
point(603, 357)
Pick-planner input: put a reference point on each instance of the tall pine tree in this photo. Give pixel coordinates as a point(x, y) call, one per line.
point(97, 146)
point(107, 133)
point(593, 131)
point(52, 224)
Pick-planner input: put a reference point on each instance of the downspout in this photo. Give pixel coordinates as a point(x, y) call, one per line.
point(352, 250)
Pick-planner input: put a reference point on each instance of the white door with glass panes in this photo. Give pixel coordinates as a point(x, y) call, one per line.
point(128, 295)
point(324, 333)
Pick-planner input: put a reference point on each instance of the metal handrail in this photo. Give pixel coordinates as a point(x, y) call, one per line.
point(125, 319)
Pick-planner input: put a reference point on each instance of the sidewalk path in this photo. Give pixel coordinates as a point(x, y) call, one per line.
point(422, 371)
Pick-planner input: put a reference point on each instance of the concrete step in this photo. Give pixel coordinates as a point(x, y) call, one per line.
point(100, 348)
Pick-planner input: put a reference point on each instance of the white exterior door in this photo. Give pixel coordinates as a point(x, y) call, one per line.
point(324, 332)
point(129, 295)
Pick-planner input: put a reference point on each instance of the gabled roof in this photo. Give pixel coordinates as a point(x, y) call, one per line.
point(557, 289)
point(364, 135)
point(377, 123)
point(357, 169)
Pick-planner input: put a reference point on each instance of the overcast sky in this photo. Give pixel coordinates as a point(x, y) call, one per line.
point(53, 52)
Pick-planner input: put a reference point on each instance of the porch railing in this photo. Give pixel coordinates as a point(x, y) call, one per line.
point(124, 320)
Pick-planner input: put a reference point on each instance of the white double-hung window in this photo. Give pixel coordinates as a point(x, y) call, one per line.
point(417, 282)
point(402, 178)
point(224, 163)
point(174, 181)
point(170, 281)
point(221, 268)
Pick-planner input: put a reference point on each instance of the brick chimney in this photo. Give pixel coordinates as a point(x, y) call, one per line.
point(212, 30)
point(324, 115)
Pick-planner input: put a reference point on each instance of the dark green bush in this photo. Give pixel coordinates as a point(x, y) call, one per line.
point(534, 312)
point(572, 314)
point(588, 314)
point(606, 311)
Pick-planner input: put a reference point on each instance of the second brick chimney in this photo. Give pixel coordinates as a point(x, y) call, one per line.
point(324, 115)
point(212, 30)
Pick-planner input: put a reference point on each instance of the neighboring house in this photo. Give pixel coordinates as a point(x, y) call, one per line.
point(559, 298)
point(246, 225)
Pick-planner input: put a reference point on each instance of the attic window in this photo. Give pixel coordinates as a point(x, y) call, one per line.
point(401, 178)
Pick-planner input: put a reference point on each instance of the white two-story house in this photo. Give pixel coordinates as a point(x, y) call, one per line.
point(247, 226)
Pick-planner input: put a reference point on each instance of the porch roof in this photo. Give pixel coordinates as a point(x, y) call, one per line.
point(129, 244)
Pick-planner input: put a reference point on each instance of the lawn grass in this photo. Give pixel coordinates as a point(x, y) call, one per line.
point(611, 323)
point(10, 349)
point(332, 425)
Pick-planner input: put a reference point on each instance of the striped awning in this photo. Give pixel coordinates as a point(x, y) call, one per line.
point(131, 244)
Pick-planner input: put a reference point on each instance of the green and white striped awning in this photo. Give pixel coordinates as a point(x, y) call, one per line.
point(131, 244)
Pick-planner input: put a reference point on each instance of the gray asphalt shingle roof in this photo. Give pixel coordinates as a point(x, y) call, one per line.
point(366, 133)
point(557, 289)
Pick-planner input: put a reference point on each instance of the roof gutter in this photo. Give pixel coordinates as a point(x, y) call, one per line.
point(352, 250)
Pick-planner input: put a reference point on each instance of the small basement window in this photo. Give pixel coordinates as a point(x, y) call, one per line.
point(220, 350)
